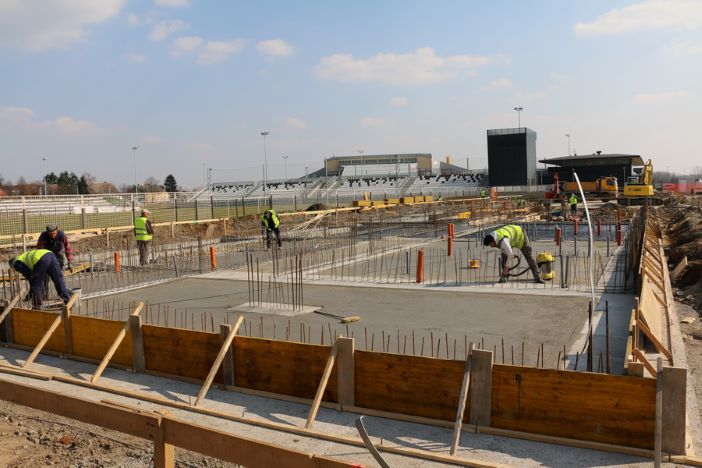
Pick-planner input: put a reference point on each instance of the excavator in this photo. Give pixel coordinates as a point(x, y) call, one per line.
point(639, 188)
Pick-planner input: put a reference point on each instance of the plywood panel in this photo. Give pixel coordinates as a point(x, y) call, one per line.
point(186, 353)
point(28, 327)
point(283, 367)
point(602, 408)
point(650, 309)
point(92, 337)
point(417, 386)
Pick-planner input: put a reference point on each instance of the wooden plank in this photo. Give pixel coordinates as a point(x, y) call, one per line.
point(642, 359)
point(677, 271)
point(345, 358)
point(282, 367)
point(228, 362)
point(92, 338)
point(241, 450)
point(115, 344)
point(649, 310)
point(578, 405)
point(674, 409)
point(322, 386)
point(412, 385)
point(480, 387)
point(462, 402)
point(136, 423)
point(175, 351)
point(218, 360)
point(659, 346)
point(138, 358)
point(42, 342)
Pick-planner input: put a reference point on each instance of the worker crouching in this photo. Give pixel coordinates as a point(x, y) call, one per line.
point(35, 265)
point(511, 237)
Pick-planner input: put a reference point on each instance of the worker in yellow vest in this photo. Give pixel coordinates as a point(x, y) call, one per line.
point(573, 202)
point(144, 232)
point(511, 237)
point(35, 265)
point(271, 224)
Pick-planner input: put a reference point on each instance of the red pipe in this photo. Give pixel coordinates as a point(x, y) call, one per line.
point(420, 266)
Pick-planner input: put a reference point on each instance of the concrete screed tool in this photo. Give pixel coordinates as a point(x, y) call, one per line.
point(341, 319)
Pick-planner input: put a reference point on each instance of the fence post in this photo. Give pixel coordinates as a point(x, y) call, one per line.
point(295, 201)
point(82, 217)
point(212, 215)
point(175, 203)
point(196, 211)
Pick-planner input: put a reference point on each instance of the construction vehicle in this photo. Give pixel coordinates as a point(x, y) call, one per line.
point(641, 185)
point(605, 187)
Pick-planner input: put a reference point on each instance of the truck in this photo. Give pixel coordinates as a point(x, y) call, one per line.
point(606, 187)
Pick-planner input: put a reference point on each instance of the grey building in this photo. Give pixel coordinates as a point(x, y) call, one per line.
point(511, 156)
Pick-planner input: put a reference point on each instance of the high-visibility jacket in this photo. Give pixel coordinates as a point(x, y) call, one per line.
point(140, 230)
point(573, 200)
point(514, 233)
point(483, 193)
point(31, 257)
point(274, 218)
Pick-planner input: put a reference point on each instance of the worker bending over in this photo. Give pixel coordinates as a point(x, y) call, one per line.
point(56, 240)
point(35, 265)
point(271, 223)
point(511, 237)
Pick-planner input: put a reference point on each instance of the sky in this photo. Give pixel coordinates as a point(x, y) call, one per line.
point(193, 83)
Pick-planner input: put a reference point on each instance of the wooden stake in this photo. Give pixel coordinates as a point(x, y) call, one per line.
point(320, 389)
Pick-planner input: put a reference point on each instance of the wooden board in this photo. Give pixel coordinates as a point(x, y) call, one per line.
point(283, 367)
point(418, 386)
point(650, 310)
point(597, 407)
point(29, 326)
point(92, 337)
point(185, 353)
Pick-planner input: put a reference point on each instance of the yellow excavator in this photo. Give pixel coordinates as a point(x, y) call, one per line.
point(640, 188)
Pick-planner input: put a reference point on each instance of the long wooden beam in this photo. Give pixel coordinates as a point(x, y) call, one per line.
point(115, 344)
point(322, 385)
point(462, 402)
point(649, 334)
point(218, 361)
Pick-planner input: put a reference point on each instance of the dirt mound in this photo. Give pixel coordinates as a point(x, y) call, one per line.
point(685, 235)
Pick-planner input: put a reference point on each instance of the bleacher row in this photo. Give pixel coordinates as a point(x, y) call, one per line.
point(446, 181)
point(62, 205)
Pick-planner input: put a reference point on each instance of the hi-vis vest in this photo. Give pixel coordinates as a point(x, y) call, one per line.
point(142, 234)
point(514, 233)
point(573, 200)
point(483, 193)
point(31, 257)
point(274, 217)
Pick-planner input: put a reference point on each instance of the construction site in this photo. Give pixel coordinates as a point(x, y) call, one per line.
point(376, 335)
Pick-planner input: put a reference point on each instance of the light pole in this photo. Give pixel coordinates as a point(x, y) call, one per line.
point(43, 169)
point(567, 135)
point(285, 161)
point(519, 116)
point(136, 186)
point(360, 160)
point(265, 160)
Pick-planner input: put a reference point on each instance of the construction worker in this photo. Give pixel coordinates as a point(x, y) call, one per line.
point(35, 265)
point(56, 240)
point(271, 223)
point(573, 202)
point(484, 193)
point(144, 233)
point(511, 237)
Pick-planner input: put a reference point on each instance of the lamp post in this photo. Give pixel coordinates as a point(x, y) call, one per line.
point(519, 116)
point(285, 162)
point(567, 135)
point(136, 186)
point(43, 169)
point(265, 160)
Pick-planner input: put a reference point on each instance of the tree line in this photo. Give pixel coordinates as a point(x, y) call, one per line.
point(68, 183)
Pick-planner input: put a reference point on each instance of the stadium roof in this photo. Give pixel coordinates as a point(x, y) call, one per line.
point(595, 159)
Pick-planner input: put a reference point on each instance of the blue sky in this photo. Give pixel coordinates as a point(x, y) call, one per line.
point(194, 82)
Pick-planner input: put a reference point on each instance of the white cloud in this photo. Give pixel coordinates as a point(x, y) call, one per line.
point(275, 48)
point(218, 51)
point(132, 20)
point(71, 126)
point(172, 3)
point(683, 49)
point(423, 66)
point(294, 122)
point(134, 57)
point(659, 97)
point(399, 101)
point(39, 26)
point(201, 147)
point(162, 29)
point(23, 118)
point(501, 83)
point(186, 45)
point(646, 15)
point(374, 122)
point(151, 140)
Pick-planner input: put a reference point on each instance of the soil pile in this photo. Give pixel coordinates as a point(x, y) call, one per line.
point(684, 230)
